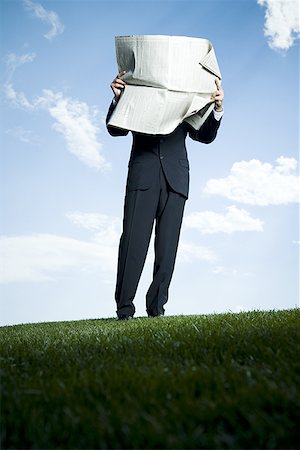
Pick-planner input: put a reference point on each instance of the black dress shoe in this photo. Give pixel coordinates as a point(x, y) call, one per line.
point(156, 315)
point(124, 317)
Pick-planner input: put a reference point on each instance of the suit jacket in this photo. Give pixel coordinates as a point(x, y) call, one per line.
point(150, 152)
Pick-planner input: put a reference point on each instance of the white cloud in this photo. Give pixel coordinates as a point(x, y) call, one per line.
point(47, 16)
point(108, 228)
point(14, 61)
point(189, 252)
point(43, 257)
point(225, 271)
point(74, 119)
point(218, 269)
point(229, 271)
point(235, 219)
point(93, 221)
point(77, 122)
point(18, 99)
point(26, 136)
point(40, 257)
point(281, 22)
point(256, 183)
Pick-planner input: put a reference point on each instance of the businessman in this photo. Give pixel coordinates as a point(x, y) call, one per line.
point(156, 191)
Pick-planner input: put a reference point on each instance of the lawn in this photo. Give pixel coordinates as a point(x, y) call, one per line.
point(217, 381)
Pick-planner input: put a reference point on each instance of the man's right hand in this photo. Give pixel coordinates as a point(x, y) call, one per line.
point(117, 84)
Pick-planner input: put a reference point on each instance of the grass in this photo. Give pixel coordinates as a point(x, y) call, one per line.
point(218, 381)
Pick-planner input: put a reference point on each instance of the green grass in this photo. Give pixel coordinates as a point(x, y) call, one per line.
point(218, 381)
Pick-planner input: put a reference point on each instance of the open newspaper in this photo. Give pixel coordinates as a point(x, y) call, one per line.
point(169, 79)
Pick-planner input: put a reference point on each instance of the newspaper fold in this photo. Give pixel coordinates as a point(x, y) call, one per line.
point(169, 79)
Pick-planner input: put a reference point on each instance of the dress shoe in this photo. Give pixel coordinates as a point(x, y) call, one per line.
point(156, 315)
point(124, 317)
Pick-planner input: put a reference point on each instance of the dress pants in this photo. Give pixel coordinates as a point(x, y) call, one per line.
point(141, 208)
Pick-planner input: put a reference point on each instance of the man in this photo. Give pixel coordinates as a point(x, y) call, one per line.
point(156, 189)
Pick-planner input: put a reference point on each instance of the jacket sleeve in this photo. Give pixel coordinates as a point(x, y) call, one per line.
point(207, 132)
point(114, 131)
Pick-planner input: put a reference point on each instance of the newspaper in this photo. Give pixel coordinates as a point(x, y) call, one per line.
point(168, 79)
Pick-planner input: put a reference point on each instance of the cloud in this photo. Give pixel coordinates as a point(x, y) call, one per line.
point(42, 257)
point(281, 22)
point(93, 221)
point(14, 61)
point(26, 136)
point(229, 271)
point(256, 183)
point(218, 269)
point(74, 119)
point(18, 99)
point(47, 16)
point(78, 124)
point(107, 229)
point(189, 252)
point(235, 219)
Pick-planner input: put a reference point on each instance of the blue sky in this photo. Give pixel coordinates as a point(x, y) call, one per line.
point(63, 176)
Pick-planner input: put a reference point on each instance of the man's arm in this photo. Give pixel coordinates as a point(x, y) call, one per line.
point(117, 86)
point(114, 131)
point(208, 131)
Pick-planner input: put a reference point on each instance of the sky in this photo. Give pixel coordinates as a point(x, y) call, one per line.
point(63, 176)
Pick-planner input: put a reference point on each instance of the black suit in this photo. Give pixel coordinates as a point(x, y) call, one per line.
point(157, 188)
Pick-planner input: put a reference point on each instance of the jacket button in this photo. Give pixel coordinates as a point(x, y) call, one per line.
point(161, 157)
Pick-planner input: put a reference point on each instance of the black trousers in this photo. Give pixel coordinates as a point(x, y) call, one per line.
point(141, 208)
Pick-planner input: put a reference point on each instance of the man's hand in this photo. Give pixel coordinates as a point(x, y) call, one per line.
point(117, 84)
point(218, 96)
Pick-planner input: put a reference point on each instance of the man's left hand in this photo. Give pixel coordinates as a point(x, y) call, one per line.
point(218, 96)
